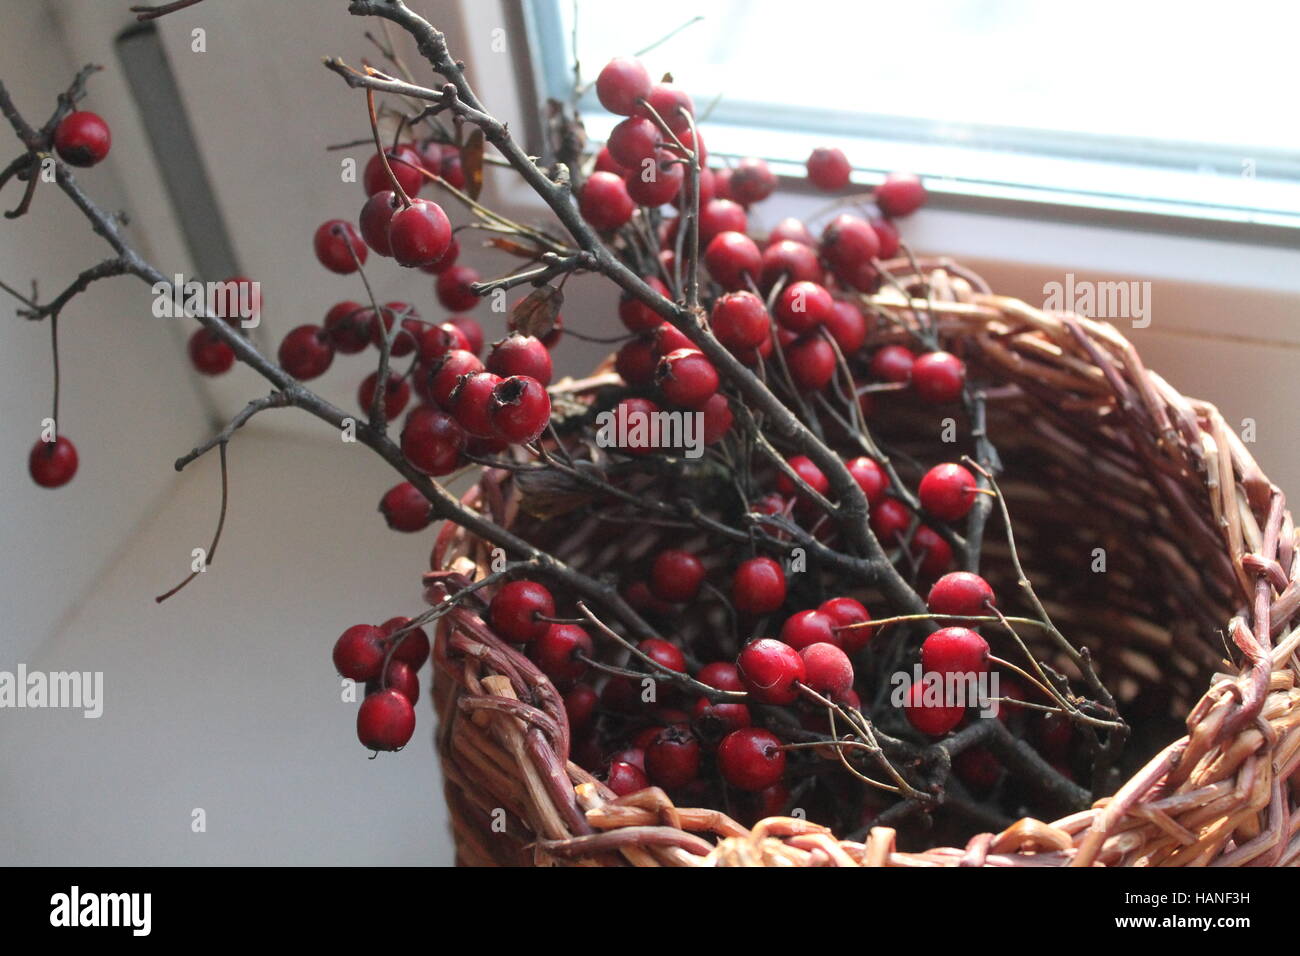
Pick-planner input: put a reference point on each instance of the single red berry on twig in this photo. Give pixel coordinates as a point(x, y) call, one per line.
point(770, 670)
point(938, 377)
point(758, 586)
point(332, 241)
point(955, 650)
point(306, 352)
point(961, 593)
point(947, 491)
point(676, 576)
point(52, 464)
point(828, 169)
point(385, 721)
point(621, 84)
point(209, 353)
point(516, 610)
point(433, 441)
point(519, 409)
point(751, 759)
point(405, 508)
point(901, 194)
point(82, 138)
point(359, 652)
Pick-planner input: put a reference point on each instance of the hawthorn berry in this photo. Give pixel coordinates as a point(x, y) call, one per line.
point(788, 260)
point(934, 720)
point(955, 650)
point(758, 586)
point(901, 194)
point(871, 478)
point(385, 721)
point(520, 355)
point(686, 378)
point(845, 612)
point(676, 576)
point(947, 491)
point(669, 338)
point(740, 320)
point(730, 257)
point(453, 288)
point(721, 215)
point(472, 331)
point(932, 551)
point(359, 652)
point(804, 628)
point(445, 375)
point(606, 163)
point(399, 676)
point(397, 393)
point(828, 169)
point(209, 353)
point(408, 337)
point(332, 242)
point(420, 234)
point(580, 706)
point(82, 138)
point(770, 670)
point(516, 610)
point(636, 361)
point(559, 652)
point(411, 647)
point(471, 403)
point(348, 325)
point(635, 315)
point(668, 102)
point(716, 719)
point(53, 464)
point(752, 180)
point(624, 778)
point(663, 653)
point(802, 306)
point(433, 441)
point(630, 410)
point(812, 476)
point(519, 409)
point(656, 180)
point(406, 164)
point(672, 759)
point(827, 669)
point(887, 233)
point(717, 418)
point(751, 759)
point(405, 508)
point(811, 361)
point(435, 341)
point(847, 326)
point(978, 769)
point(792, 230)
point(938, 377)
point(962, 594)
point(634, 139)
point(604, 202)
point(621, 84)
point(847, 243)
point(889, 520)
point(306, 352)
point(893, 363)
point(376, 216)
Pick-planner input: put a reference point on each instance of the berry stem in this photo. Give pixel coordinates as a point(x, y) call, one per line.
point(379, 146)
point(216, 537)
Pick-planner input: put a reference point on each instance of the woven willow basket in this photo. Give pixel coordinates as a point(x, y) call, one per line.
point(1195, 613)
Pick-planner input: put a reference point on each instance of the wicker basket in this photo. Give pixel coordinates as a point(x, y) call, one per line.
point(1202, 564)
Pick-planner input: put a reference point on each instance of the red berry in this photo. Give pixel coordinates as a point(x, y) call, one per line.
point(827, 669)
point(399, 676)
point(717, 418)
point(448, 258)
point(955, 650)
point(751, 759)
point(804, 628)
point(828, 169)
point(471, 403)
point(376, 216)
point(639, 442)
point(209, 354)
point(890, 520)
point(52, 464)
point(636, 362)
point(669, 338)
point(621, 84)
point(933, 719)
point(348, 325)
point(673, 759)
point(893, 363)
point(359, 652)
point(802, 306)
point(758, 586)
point(900, 194)
point(624, 778)
point(82, 138)
point(412, 647)
point(453, 288)
point(752, 181)
point(933, 553)
point(633, 140)
point(790, 260)
point(960, 593)
point(420, 234)
point(396, 394)
point(730, 257)
point(722, 183)
point(871, 478)
point(843, 612)
point(636, 315)
point(605, 203)
point(472, 331)
point(520, 355)
point(433, 441)
point(676, 576)
point(847, 326)
point(802, 466)
point(408, 337)
point(405, 508)
point(663, 653)
point(668, 101)
point(580, 705)
point(887, 233)
point(406, 165)
point(332, 241)
point(978, 769)
point(811, 361)
point(947, 491)
point(385, 721)
point(848, 245)
point(686, 378)
point(447, 373)
point(770, 670)
point(721, 215)
point(519, 409)
point(938, 377)
point(656, 180)
point(791, 229)
point(606, 163)
point(558, 653)
point(435, 341)
point(306, 352)
point(516, 608)
point(740, 320)
point(712, 721)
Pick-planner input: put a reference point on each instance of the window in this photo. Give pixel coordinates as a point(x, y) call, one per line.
point(1177, 110)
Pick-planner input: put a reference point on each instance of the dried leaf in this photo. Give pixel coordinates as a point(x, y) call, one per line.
point(515, 248)
point(536, 313)
point(471, 161)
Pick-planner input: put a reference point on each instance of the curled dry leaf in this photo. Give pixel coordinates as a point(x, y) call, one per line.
point(536, 312)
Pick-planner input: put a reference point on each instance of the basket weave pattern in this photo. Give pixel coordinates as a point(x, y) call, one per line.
point(1202, 557)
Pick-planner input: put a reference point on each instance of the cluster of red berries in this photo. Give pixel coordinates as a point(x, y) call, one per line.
point(387, 660)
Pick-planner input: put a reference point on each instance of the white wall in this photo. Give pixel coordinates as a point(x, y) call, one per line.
point(224, 698)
